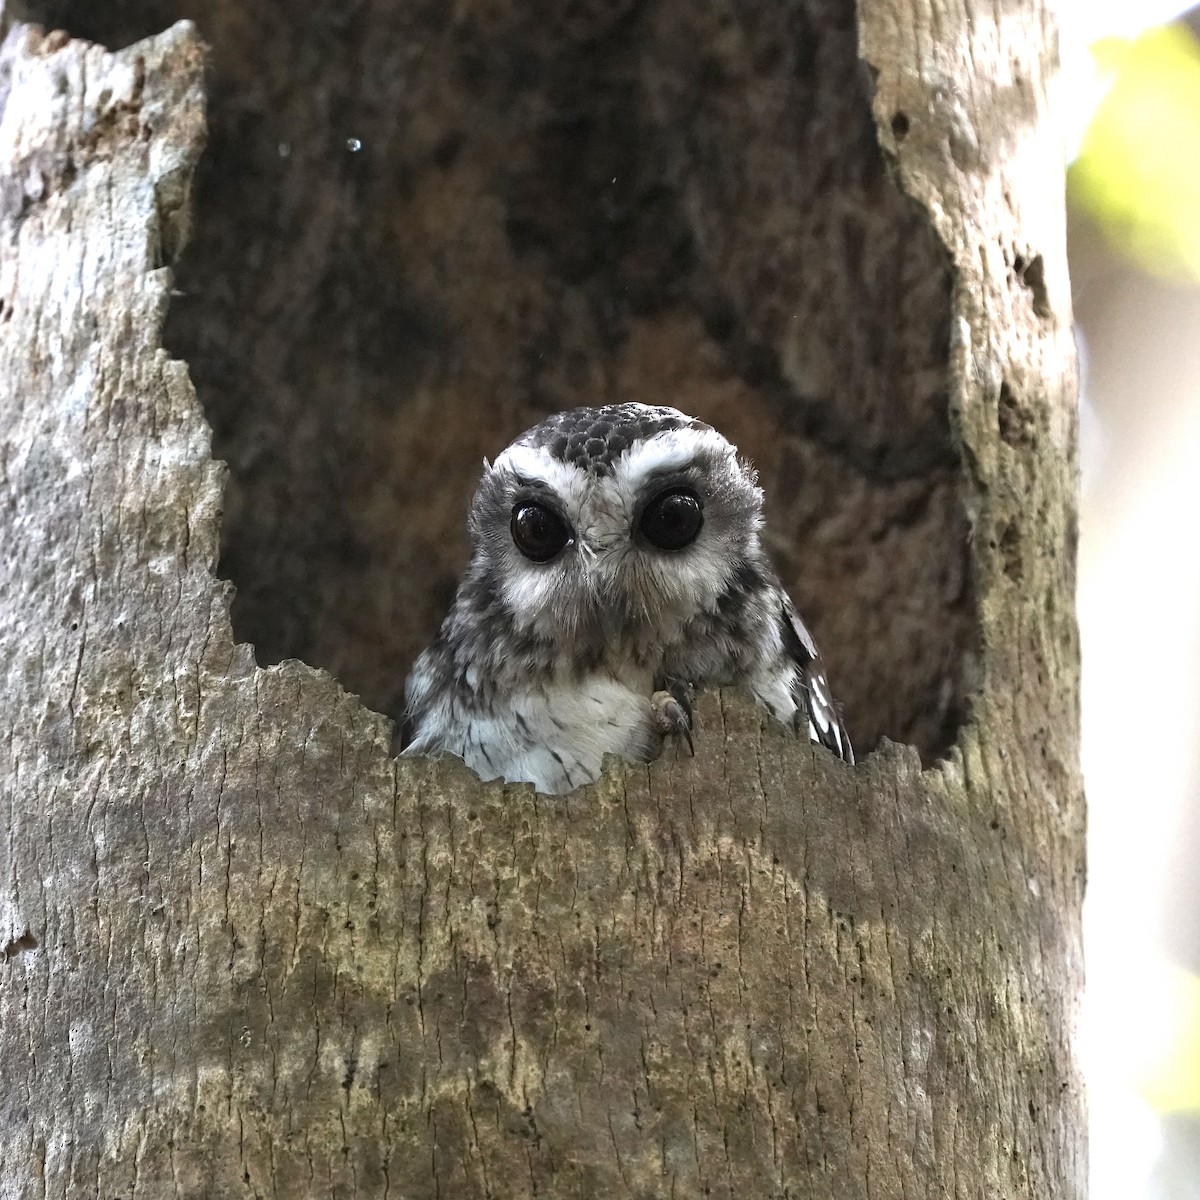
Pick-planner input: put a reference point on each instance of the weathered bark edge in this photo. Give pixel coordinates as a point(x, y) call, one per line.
point(988, 169)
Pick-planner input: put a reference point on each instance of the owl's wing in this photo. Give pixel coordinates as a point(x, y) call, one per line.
point(824, 720)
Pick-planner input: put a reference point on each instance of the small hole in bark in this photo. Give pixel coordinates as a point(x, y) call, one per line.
point(19, 945)
point(1014, 421)
point(1032, 275)
point(900, 126)
point(1010, 553)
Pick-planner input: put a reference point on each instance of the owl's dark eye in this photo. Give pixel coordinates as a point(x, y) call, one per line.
point(539, 532)
point(672, 519)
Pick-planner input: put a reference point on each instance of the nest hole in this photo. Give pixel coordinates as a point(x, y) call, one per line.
point(421, 227)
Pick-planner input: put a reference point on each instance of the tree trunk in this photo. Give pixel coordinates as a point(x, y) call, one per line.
point(245, 952)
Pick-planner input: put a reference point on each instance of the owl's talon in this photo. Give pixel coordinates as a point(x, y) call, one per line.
point(684, 690)
point(672, 717)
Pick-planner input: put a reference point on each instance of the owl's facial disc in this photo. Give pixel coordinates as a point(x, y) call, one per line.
point(593, 550)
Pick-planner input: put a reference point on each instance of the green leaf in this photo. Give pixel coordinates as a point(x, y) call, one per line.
point(1138, 170)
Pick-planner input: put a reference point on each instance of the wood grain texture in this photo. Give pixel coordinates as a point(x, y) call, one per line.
point(243, 952)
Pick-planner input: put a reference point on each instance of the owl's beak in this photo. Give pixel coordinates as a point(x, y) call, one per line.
point(611, 613)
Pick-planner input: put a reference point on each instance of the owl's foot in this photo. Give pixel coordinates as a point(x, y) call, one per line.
point(672, 708)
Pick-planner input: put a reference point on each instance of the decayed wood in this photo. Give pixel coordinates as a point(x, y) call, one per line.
point(244, 952)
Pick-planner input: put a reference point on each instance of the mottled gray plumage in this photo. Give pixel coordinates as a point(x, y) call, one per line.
point(543, 667)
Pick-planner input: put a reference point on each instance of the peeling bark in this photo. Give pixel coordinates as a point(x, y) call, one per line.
point(245, 952)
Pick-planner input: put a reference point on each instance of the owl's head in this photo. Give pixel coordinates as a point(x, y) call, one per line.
point(620, 521)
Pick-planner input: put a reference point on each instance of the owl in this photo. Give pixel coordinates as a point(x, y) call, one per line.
point(617, 567)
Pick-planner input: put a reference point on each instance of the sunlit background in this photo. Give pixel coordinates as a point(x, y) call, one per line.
point(1130, 103)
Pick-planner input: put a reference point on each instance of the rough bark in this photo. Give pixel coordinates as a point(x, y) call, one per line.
point(245, 952)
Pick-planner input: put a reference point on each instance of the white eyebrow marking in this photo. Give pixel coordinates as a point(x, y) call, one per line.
point(569, 483)
point(666, 451)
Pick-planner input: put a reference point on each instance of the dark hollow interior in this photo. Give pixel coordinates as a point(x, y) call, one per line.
point(421, 226)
